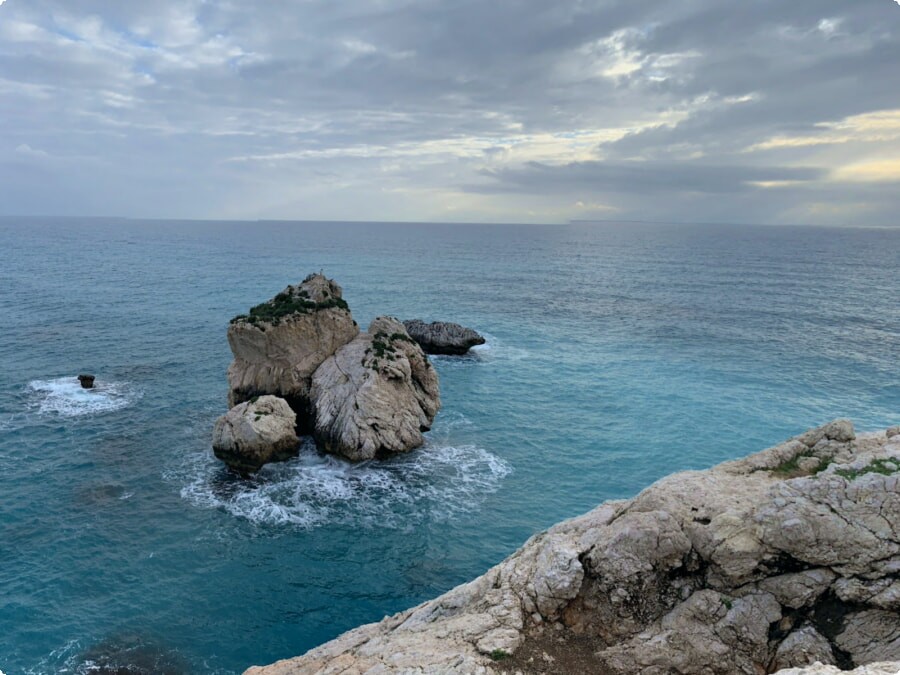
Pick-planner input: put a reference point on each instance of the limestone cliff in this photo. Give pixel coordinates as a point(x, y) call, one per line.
point(778, 560)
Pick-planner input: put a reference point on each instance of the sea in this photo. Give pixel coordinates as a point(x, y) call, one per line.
point(616, 353)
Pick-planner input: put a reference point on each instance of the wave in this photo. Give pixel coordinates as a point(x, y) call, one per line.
point(433, 482)
point(126, 654)
point(64, 396)
point(494, 349)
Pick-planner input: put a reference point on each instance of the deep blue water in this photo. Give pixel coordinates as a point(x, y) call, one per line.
point(616, 354)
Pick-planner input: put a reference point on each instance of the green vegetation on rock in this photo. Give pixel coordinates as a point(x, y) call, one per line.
point(286, 304)
point(884, 467)
point(792, 469)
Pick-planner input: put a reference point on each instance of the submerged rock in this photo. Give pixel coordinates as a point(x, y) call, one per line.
point(280, 343)
point(440, 337)
point(255, 432)
point(786, 556)
point(376, 395)
point(87, 381)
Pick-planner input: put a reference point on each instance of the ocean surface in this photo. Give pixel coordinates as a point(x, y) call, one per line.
point(616, 354)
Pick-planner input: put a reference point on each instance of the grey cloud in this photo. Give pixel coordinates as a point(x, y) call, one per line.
point(223, 108)
point(641, 177)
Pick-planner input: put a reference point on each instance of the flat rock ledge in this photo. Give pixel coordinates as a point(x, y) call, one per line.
point(442, 337)
point(778, 561)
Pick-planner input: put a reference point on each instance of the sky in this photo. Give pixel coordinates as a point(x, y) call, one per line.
point(761, 111)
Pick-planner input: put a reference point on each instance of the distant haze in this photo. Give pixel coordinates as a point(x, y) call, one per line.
point(509, 110)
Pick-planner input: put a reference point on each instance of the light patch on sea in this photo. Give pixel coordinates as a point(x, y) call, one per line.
point(435, 482)
point(65, 396)
point(494, 349)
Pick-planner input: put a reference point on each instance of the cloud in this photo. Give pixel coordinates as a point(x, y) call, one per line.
point(508, 110)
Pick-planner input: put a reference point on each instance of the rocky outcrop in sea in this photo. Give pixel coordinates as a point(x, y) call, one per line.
point(376, 395)
point(442, 337)
point(776, 561)
point(280, 343)
point(361, 395)
point(256, 432)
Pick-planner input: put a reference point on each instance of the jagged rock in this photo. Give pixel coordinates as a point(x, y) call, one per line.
point(870, 635)
point(440, 337)
point(255, 432)
point(750, 564)
point(279, 345)
point(376, 395)
point(804, 647)
point(87, 381)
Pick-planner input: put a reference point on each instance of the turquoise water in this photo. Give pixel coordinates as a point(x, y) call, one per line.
point(616, 354)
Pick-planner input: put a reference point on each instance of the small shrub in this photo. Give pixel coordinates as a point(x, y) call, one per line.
point(499, 655)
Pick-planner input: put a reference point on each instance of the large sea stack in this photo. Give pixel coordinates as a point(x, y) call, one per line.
point(281, 342)
point(784, 558)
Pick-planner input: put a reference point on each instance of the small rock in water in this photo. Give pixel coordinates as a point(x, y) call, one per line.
point(441, 337)
point(256, 432)
point(87, 381)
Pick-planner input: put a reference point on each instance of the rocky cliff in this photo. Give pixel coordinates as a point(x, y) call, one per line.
point(782, 559)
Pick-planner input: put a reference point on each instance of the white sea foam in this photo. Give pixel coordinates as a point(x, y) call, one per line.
point(64, 396)
point(494, 349)
point(434, 482)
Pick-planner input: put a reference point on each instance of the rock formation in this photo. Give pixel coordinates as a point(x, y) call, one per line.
point(255, 432)
point(87, 381)
point(280, 343)
point(376, 395)
point(360, 395)
point(441, 337)
point(786, 557)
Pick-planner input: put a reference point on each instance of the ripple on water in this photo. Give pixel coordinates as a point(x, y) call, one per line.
point(434, 482)
point(65, 397)
point(119, 655)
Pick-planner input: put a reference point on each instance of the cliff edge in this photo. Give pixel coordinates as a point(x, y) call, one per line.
point(786, 558)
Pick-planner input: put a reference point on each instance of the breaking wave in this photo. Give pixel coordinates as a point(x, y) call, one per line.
point(314, 489)
point(64, 396)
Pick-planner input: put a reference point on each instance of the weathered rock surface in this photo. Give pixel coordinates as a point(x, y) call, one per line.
point(440, 337)
point(822, 669)
point(788, 555)
point(376, 395)
point(279, 345)
point(255, 432)
point(86, 381)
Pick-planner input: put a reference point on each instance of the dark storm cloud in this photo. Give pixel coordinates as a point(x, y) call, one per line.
point(507, 110)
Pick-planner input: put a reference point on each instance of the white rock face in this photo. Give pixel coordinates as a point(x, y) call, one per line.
point(278, 354)
point(785, 556)
point(821, 669)
point(376, 395)
point(255, 432)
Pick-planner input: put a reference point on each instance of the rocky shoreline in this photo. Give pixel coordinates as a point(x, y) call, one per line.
point(780, 560)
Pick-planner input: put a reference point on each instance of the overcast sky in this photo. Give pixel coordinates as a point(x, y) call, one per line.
point(768, 111)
